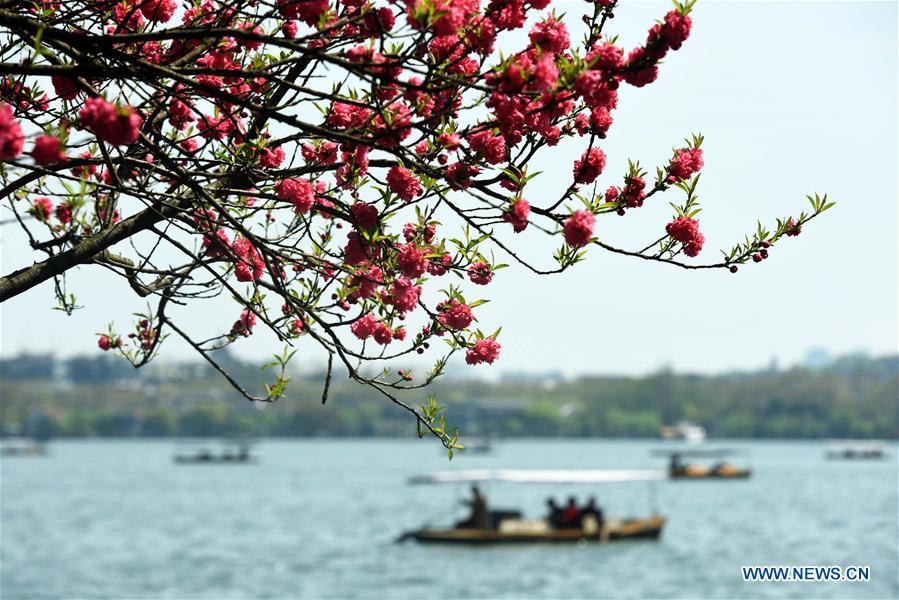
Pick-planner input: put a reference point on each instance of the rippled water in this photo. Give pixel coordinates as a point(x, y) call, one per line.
point(317, 519)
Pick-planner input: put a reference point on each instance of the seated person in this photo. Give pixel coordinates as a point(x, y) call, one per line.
point(676, 467)
point(592, 512)
point(554, 518)
point(479, 516)
point(571, 516)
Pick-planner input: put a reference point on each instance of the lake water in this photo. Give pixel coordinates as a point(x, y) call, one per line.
point(317, 519)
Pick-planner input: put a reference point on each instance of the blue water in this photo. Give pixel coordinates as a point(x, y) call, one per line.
point(317, 519)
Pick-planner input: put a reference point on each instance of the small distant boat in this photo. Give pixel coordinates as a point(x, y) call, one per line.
point(231, 453)
point(686, 431)
point(855, 450)
point(23, 447)
point(508, 526)
point(677, 469)
point(478, 445)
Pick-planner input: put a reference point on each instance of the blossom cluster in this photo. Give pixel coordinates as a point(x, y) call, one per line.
point(210, 143)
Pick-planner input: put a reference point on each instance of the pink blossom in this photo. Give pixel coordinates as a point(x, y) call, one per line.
point(297, 327)
point(217, 244)
point(676, 29)
point(249, 265)
point(12, 140)
point(297, 191)
point(440, 266)
point(545, 73)
point(271, 158)
point(455, 315)
point(641, 69)
point(357, 250)
point(308, 11)
point(364, 215)
point(578, 228)
point(404, 295)
point(551, 36)
point(485, 350)
point(290, 29)
point(686, 231)
point(244, 325)
point(42, 208)
point(382, 334)
point(693, 247)
point(595, 90)
point(323, 154)
point(411, 260)
point(491, 147)
point(480, 273)
point(685, 163)
point(181, 113)
point(605, 56)
point(117, 125)
point(403, 183)
point(589, 166)
point(518, 215)
point(158, 10)
point(63, 213)
point(64, 87)
point(364, 326)
point(48, 151)
point(459, 175)
point(106, 342)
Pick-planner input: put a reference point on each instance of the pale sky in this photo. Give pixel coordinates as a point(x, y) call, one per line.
point(792, 97)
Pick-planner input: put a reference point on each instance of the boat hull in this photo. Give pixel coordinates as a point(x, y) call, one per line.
point(631, 529)
point(739, 474)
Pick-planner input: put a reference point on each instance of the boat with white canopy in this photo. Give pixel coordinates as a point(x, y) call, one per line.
point(503, 526)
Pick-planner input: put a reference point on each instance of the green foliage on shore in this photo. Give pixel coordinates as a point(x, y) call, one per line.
point(854, 397)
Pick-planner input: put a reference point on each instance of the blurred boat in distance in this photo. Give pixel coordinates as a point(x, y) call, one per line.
point(690, 433)
point(677, 469)
point(855, 450)
point(478, 445)
point(22, 447)
point(508, 526)
point(232, 452)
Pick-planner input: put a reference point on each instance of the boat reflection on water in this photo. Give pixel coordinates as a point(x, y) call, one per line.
point(508, 526)
point(232, 452)
point(678, 469)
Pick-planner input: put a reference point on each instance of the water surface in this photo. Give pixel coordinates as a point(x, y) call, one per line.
point(317, 519)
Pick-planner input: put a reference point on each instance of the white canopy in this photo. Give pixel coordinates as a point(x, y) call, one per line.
point(541, 476)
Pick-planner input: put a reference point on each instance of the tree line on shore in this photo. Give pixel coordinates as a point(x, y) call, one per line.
point(854, 397)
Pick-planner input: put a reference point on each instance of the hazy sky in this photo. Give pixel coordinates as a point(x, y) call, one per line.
point(792, 98)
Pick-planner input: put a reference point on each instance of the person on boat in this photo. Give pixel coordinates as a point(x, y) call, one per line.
point(554, 516)
point(592, 511)
point(479, 516)
point(676, 467)
point(571, 516)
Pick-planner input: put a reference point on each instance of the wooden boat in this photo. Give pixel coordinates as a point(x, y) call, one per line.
point(22, 447)
point(235, 453)
point(505, 527)
point(855, 450)
point(678, 470)
point(520, 532)
point(686, 431)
